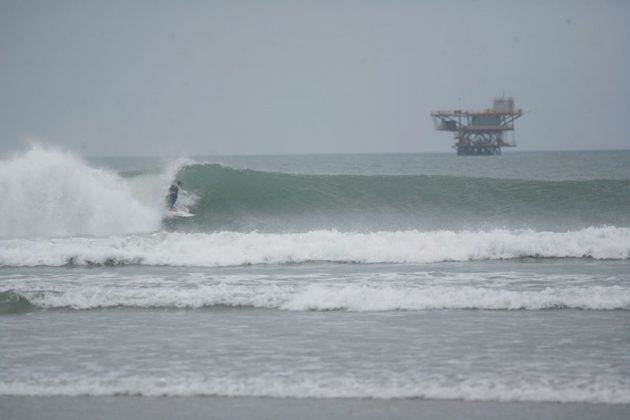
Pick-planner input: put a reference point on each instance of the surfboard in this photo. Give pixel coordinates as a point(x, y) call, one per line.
point(179, 212)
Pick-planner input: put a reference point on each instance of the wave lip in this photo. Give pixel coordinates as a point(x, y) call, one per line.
point(233, 249)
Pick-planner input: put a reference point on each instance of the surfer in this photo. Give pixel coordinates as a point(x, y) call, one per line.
point(173, 191)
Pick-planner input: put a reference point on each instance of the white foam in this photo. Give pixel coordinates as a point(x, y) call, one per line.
point(313, 297)
point(600, 389)
point(52, 193)
point(233, 249)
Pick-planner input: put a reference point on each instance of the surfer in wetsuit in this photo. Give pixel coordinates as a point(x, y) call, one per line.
point(173, 191)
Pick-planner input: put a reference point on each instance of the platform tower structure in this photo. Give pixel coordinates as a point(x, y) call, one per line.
point(480, 132)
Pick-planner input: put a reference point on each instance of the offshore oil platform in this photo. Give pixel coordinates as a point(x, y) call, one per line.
point(480, 132)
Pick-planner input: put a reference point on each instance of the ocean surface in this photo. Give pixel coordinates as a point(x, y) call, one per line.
point(432, 276)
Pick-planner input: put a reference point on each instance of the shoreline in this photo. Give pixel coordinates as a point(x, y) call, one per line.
point(145, 408)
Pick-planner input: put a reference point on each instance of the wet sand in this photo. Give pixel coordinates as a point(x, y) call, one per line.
point(145, 408)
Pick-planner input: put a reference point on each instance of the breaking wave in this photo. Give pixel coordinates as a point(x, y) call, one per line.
point(52, 193)
point(49, 193)
point(233, 249)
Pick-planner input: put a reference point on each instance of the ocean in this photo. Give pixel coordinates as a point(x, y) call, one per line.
point(389, 277)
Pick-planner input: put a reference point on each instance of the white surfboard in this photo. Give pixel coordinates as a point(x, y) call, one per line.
point(179, 212)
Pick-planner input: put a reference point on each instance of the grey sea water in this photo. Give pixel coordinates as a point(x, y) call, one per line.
point(355, 276)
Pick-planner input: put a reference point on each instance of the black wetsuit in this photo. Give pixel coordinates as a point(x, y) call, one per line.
point(172, 196)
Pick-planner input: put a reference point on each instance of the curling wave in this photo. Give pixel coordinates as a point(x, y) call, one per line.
point(243, 200)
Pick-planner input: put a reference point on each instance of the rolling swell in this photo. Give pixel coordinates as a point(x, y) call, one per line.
point(246, 200)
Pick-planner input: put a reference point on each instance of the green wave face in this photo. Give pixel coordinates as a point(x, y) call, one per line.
point(14, 303)
point(245, 200)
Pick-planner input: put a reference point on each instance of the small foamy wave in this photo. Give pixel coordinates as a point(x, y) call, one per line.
point(330, 297)
point(611, 390)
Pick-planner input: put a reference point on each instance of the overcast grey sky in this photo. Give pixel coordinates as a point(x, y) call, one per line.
point(185, 77)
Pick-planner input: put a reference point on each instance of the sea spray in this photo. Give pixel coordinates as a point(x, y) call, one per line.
point(47, 192)
point(150, 187)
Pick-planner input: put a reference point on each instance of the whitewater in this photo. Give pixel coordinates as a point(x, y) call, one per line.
point(233, 248)
point(332, 276)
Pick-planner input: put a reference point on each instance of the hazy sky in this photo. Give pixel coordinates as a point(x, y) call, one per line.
point(145, 77)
